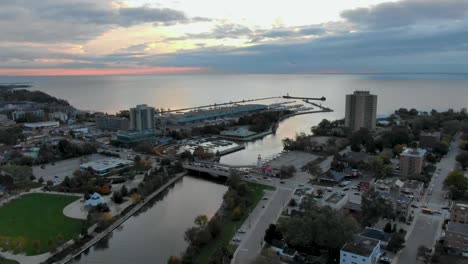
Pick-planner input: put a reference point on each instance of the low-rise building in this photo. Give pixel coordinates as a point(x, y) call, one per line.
point(24, 113)
point(392, 186)
point(377, 234)
point(456, 238)
point(360, 250)
point(112, 123)
point(137, 137)
point(412, 188)
point(412, 161)
point(42, 125)
point(239, 133)
point(106, 166)
point(429, 140)
point(409, 188)
point(401, 204)
point(459, 213)
point(58, 116)
point(336, 201)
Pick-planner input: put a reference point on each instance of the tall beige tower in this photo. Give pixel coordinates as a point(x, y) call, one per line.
point(142, 118)
point(361, 110)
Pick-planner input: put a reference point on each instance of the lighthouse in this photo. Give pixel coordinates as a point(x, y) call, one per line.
point(259, 161)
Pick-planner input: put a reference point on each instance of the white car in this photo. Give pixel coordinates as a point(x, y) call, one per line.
point(241, 231)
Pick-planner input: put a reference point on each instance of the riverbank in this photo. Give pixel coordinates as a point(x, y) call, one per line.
point(120, 221)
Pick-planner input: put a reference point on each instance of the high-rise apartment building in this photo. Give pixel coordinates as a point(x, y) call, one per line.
point(361, 110)
point(142, 118)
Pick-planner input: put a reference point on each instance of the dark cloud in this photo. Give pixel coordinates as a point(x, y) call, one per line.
point(236, 31)
point(407, 12)
point(75, 20)
point(393, 50)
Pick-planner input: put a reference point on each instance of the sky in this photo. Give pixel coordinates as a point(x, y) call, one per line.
point(105, 37)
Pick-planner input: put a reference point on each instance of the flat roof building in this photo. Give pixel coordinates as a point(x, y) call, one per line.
point(361, 110)
point(112, 123)
point(360, 250)
point(412, 161)
point(142, 117)
point(39, 125)
point(429, 140)
point(106, 166)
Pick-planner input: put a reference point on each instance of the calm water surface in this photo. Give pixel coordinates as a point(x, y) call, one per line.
point(157, 232)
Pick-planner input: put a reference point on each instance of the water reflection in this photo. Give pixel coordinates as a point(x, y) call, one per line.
point(157, 232)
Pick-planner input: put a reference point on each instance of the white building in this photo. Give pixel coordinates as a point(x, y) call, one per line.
point(360, 250)
point(106, 166)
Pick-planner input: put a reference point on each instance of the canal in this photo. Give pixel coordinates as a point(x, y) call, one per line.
point(157, 231)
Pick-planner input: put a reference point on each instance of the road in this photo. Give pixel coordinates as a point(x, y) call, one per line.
point(427, 228)
point(252, 242)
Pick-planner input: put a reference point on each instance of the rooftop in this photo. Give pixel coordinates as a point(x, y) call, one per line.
point(457, 228)
point(335, 198)
point(360, 245)
point(459, 206)
point(106, 164)
point(396, 197)
point(375, 234)
point(414, 152)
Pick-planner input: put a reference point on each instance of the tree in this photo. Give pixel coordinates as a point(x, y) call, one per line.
point(397, 149)
point(463, 159)
point(117, 197)
point(201, 220)
point(457, 184)
point(137, 159)
point(236, 214)
point(41, 180)
point(37, 245)
point(174, 260)
point(388, 227)
point(234, 180)
point(272, 233)
point(287, 171)
point(123, 191)
point(397, 242)
point(313, 169)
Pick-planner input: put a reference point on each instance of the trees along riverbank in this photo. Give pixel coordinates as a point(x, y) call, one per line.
point(209, 239)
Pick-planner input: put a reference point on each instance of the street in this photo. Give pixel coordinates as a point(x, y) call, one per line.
point(427, 228)
point(251, 244)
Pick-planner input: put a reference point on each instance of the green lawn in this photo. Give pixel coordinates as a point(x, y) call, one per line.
point(8, 261)
point(453, 259)
point(230, 227)
point(36, 217)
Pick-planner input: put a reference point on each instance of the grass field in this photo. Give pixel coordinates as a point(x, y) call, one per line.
point(230, 227)
point(36, 217)
point(448, 259)
point(8, 261)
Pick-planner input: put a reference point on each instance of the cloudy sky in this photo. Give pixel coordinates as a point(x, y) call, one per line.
point(87, 37)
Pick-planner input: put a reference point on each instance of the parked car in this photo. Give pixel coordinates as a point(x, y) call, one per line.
point(414, 206)
point(242, 231)
point(236, 239)
point(282, 182)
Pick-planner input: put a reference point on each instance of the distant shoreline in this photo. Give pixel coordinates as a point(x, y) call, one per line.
point(11, 86)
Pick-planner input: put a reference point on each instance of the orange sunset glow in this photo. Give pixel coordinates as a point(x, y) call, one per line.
point(95, 71)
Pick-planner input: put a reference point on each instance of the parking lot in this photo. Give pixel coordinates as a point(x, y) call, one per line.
point(57, 171)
